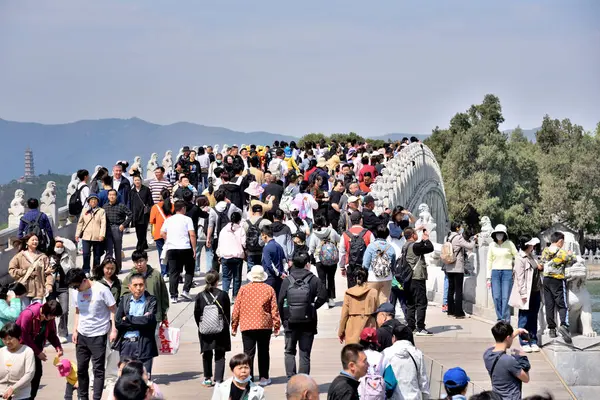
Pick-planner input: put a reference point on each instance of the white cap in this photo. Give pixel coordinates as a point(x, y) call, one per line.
point(534, 241)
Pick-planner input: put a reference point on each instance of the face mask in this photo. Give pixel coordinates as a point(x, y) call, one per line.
point(240, 381)
point(219, 161)
point(461, 231)
point(59, 250)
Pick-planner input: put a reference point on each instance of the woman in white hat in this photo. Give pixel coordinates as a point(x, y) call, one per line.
point(526, 292)
point(500, 260)
point(254, 190)
point(256, 313)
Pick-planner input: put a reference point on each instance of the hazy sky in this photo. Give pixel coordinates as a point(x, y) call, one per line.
point(373, 67)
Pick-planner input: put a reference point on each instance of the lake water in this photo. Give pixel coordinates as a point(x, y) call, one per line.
point(594, 288)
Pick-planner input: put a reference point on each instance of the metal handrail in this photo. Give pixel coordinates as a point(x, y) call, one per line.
point(435, 374)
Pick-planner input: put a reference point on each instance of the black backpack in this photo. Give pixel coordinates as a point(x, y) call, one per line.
point(253, 236)
point(33, 227)
point(357, 247)
point(222, 219)
point(75, 204)
point(404, 271)
point(299, 301)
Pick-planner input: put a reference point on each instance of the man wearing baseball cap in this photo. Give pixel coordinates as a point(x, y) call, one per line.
point(455, 383)
point(386, 323)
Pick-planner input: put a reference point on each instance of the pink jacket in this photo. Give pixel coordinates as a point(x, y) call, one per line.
point(232, 241)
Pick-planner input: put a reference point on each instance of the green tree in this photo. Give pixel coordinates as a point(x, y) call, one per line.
point(482, 167)
point(311, 137)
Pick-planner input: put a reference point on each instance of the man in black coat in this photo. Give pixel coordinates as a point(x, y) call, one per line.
point(370, 220)
point(140, 204)
point(136, 324)
point(300, 333)
point(355, 366)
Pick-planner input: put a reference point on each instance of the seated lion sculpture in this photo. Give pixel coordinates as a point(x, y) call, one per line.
point(580, 303)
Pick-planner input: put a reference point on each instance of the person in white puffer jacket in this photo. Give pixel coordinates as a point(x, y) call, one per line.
point(231, 252)
point(405, 369)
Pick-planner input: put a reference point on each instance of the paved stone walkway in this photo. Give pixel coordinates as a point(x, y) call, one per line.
point(455, 343)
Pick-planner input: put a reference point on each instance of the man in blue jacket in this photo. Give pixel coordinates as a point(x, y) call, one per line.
point(273, 259)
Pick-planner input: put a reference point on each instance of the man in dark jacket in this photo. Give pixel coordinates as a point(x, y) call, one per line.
point(232, 191)
point(140, 203)
point(355, 365)
point(294, 304)
point(136, 323)
point(386, 322)
point(370, 220)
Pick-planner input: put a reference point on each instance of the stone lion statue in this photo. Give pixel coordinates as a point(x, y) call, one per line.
point(426, 221)
point(485, 236)
point(49, 194)
point(167, 161)
point(151, 166)
point(17, 208)
point(580, 303)
point(72, 188)
point(137, 165)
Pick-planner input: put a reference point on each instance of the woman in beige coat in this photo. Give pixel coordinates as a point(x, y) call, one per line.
point(526, 292)
point(91, 229)
point(360, 302)
point(31, 268)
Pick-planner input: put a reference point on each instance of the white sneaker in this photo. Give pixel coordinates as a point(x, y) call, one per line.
point(331, 303)
point(186, 295)
point(62, 339)
point(526, 348)
point(535, 348)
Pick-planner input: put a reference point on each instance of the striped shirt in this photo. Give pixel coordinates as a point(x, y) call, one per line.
point(156, 187)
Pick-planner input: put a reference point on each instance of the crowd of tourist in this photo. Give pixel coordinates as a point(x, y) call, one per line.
point(294, 216)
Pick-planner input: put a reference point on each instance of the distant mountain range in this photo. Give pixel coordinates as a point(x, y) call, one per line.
point(64, 148)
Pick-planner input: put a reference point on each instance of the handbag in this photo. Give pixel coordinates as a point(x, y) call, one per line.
point(146, 208)
point(169, 339)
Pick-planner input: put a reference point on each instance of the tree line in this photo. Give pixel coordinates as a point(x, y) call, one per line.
point(525, 185)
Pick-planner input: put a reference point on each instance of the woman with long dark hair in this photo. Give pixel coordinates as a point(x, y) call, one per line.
point(106, 274)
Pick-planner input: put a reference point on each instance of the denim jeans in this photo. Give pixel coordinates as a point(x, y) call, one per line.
point(502, 281)
point(88, 246)
point(528, 319)
point(232, 269)
point(445, 289)
point(253, 259)
point(159, 246)
point(203, 182)
point(201, 244)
